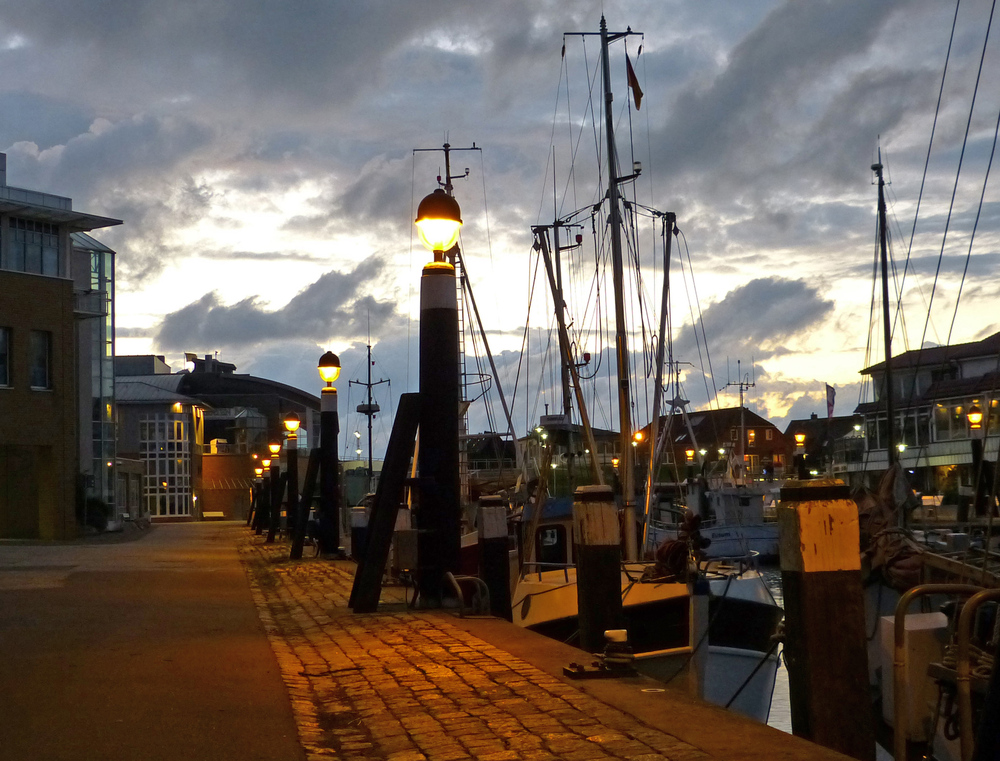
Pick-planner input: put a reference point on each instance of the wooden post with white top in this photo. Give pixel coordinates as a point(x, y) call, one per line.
point(825, 646)
point(598, 565)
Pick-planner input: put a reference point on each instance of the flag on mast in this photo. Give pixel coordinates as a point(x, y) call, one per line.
point(831, 395)
point(633, 82)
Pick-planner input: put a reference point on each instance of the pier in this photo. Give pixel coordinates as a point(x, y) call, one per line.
point(199, 641)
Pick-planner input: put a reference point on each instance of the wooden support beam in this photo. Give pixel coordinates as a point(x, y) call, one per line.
point(382, 521)
point(825, 646)
point(598, 565)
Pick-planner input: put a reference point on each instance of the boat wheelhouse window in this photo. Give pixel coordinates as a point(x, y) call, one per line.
point(551, 544)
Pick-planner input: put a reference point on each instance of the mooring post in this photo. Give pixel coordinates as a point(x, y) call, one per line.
point(698, 636)
point(598, 565)
point(494, 557)
point(824, 617)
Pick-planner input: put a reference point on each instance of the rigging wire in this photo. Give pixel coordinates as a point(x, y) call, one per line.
point(927, 159)
point(958, 173)
point(975, 225)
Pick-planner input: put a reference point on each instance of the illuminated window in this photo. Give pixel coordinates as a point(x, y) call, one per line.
point(751, 437)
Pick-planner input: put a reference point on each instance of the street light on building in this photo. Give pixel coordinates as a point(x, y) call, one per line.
point(438, 511)
point(329, 470)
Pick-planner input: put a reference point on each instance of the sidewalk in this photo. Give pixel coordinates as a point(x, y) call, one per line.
point(409, 685)
point(159, 648)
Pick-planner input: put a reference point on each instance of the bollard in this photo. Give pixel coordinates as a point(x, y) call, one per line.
point(359, 532)
point(598, 565)
point(494, 558)
point(825, 644)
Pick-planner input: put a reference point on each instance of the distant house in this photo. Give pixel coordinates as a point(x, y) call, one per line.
point(934, 390)
point(198, 432)
point(711, 442)
point(823, 437)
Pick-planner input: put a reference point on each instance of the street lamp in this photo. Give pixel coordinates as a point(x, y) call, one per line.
point(272, 484)
point(296, 520)
point(975, 416)
point(329, 430)
point(439, 219)
point(438, 508)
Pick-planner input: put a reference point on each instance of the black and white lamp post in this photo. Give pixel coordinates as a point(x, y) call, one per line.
point(295, 521)
point(438, 511)
point(274, 519)
point(329, 476)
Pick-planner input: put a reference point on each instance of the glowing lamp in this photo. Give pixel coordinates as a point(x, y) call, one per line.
point(292, 422)
point(259, 472)
point(614, 462)
point(703, 452)
point(329, 367)
point(689, 453)
point(274, 447)
point(722, 451)
point(800, 439)
point(439, 218)
point(638, 436)
point(266, 463)
point(975, 416)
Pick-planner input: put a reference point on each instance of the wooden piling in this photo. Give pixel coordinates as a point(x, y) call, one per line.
point(598, 565)
point(825, 646)
point(494, 560)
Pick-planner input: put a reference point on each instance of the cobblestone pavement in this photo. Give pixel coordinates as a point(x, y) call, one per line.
point(410, 685)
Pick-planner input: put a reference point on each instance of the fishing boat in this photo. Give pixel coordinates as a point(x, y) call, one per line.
point(658, 598)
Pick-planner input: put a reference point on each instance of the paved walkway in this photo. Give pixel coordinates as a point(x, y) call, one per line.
point(155, 649)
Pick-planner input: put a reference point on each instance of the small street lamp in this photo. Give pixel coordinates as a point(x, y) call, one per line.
point(272, 486)
point(329, 469)
point(975, 416)
point(296, 522)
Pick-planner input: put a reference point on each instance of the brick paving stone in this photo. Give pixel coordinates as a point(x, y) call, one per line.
point(411, 686)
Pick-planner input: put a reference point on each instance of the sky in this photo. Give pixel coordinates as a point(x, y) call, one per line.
point(262, 160)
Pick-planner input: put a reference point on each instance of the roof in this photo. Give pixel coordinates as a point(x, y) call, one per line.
point(713, 425)
point(85, 242)
point(988, 383)
point(146, 389)
point(930, 356)
point(48, 208)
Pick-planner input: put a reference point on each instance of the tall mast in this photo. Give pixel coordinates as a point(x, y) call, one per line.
point(618, 278)
point(369, 409)
point(886, 325)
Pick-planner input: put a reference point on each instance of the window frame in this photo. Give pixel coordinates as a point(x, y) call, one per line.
point(6, 339)
point(33, 348)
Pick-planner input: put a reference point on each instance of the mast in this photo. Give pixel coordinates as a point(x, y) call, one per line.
point(369, 410)
point(886, 325)
point(621, 334)
point(669, 223)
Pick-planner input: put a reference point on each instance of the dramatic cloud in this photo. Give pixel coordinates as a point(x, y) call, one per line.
point(264, 166)
point(332, 307)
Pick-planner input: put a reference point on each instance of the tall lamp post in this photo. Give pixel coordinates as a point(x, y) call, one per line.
point(262, 517)
point(329, 476)
point(438, 513)
point(274, 522)
point(296, 521)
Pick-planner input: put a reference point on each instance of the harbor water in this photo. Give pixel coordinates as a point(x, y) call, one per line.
point(780, 716)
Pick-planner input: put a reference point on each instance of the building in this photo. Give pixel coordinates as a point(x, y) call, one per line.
point(198, 430)
point(821, 437)
point(708, 443)
point(57, 407)
point(934, 390)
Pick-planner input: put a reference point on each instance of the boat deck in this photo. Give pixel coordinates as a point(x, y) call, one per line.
point(409, 685)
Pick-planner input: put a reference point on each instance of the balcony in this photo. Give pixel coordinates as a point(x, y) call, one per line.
point(90, 304)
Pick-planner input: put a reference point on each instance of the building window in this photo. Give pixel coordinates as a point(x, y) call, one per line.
point(4, 356)
point(41, 359)
point(751, 437)
point(769, 434)
point(163, 442)
point(33, 246)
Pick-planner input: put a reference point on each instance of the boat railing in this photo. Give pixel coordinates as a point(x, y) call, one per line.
point(533, 567)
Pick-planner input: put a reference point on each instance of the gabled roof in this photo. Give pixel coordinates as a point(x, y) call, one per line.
point(712, 425)
point(934, 356)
